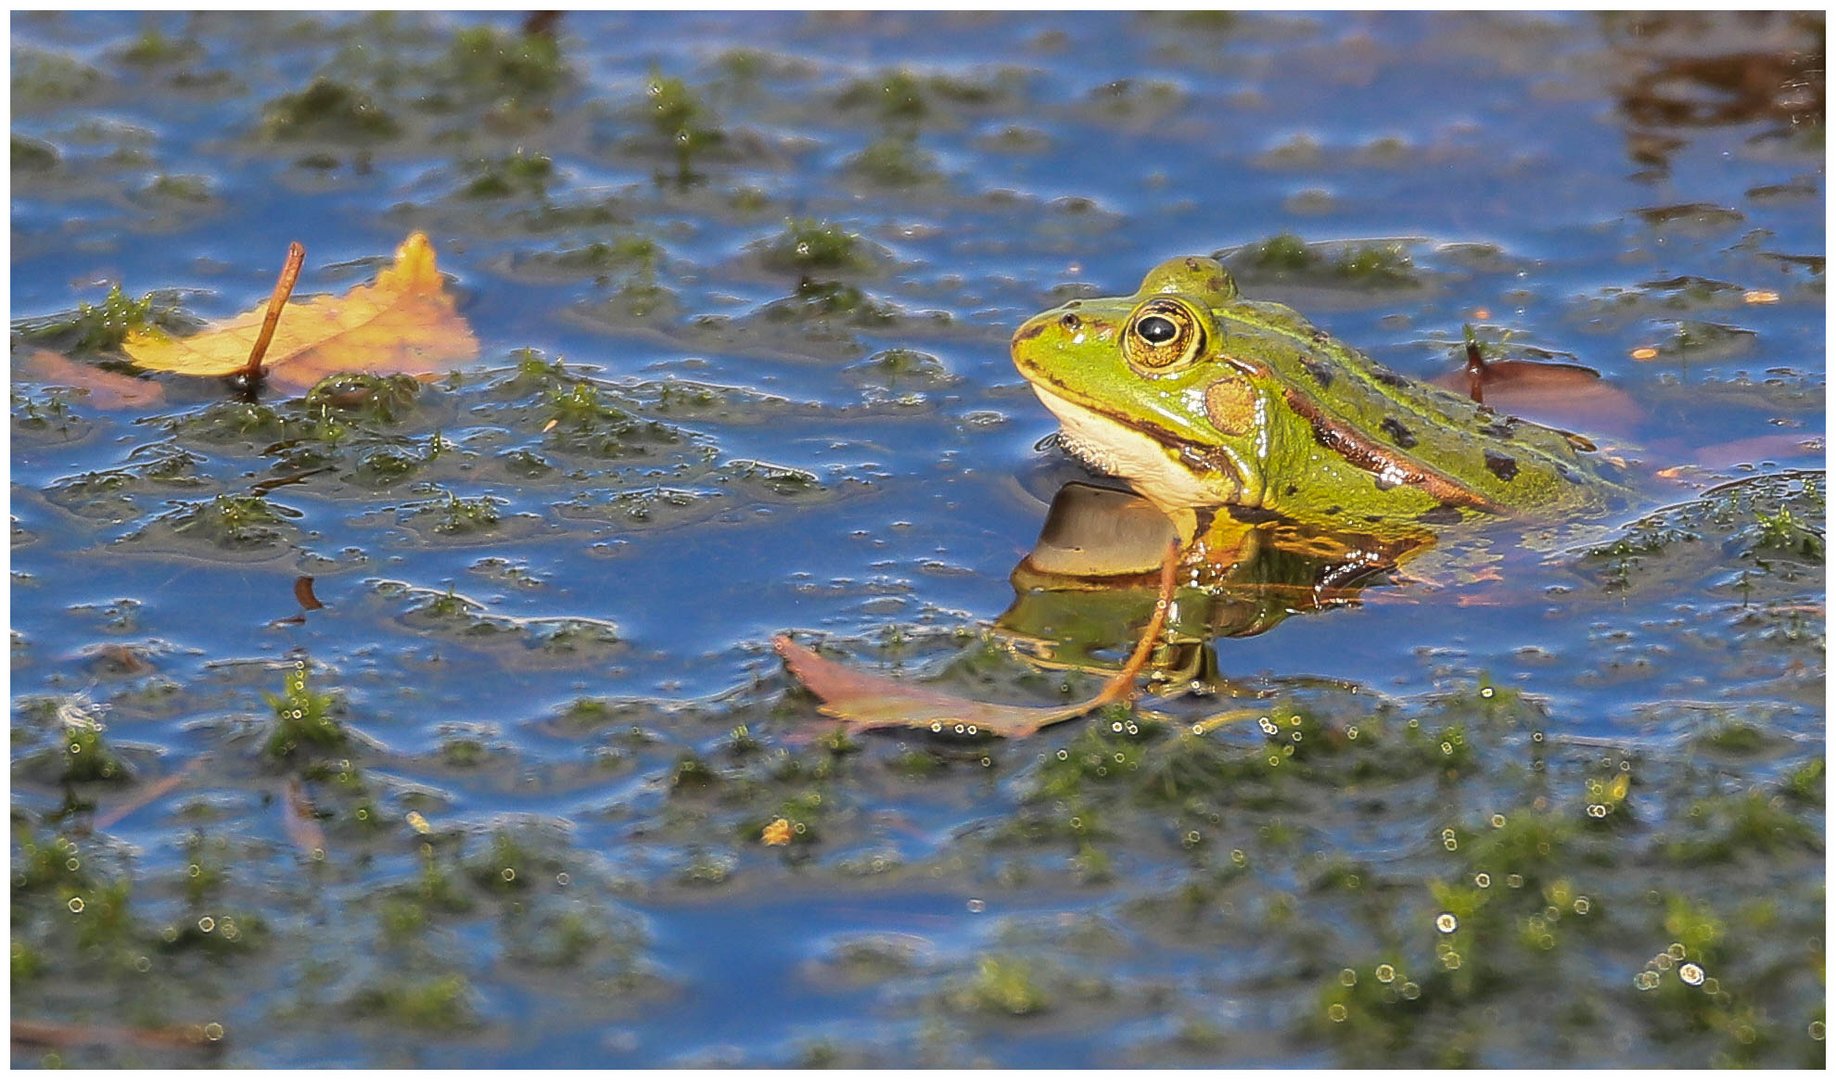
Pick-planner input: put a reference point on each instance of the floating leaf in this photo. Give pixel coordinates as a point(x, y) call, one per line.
point(865, 701)
point(777, 834)
point(404, 322)
point(1565, 395)
point(107, 389)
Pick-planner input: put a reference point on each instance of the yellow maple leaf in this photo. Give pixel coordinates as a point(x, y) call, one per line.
point(777, 834)
point(404, 322)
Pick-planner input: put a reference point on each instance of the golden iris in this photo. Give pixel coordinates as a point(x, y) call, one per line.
point(1163, 334)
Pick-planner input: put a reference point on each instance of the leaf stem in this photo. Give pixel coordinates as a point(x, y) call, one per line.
point(283, 288)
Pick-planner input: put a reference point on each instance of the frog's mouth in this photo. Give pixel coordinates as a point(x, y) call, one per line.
point(1166, 470)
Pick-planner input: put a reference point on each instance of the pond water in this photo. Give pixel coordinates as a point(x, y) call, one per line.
point(743, 286)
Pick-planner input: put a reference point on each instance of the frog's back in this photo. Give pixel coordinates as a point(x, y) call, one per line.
point(1462, 454)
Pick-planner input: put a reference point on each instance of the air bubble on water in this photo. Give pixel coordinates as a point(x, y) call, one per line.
point(1064, 755)
point(1411, 991)
point(1582, 905)
point(1482, 879)
point(1451, 961)
point(143, 964)
point(1816, 1030)
point(1486, 691)
point(1385, 973)
point(1116, 726)
point(977, 907)
point(1268, 726)
point(509, 873)
point(1348, 977)
point(562, 878)
point(1645, 980)
point(1336, 1012)
point(1676, 951)
point(1663, 961)
point(207, 924)
point(1446, 923)
point(1515, 881)
point(1691, 974)
point(213, 1031)
point(1351, 732)
point(936, 727)
point(76, 905)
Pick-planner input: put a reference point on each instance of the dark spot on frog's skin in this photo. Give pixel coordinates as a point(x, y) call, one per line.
point(1293, 490)
point(1398, 434)
point(1070, 321)
point(1028, 333)
point(1251, 514)
point(1321, 373)
point(1320, 337)
point(1373, 518)
point(1388, 377)
point(1501, 428)
point(1440, 515)
point(1503, 466)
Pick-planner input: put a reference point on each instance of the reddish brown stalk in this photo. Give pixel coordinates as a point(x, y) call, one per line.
point(53, 1033)
point(283, 288)
point(1475, 373)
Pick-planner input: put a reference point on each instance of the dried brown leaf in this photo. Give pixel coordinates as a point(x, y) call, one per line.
point(864, 701)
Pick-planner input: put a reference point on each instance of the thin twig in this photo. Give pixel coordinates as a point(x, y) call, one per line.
point(290, 273)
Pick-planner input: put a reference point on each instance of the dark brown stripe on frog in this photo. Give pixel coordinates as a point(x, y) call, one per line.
point(1361, 452)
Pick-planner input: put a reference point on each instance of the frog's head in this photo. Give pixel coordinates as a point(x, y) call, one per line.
point(1143, 390)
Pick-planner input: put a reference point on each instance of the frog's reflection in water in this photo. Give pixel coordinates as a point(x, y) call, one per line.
point(1089, 583)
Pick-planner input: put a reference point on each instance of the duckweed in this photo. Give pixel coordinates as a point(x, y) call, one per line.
point(304, 719)
point(1003, 984)
point(328, 110)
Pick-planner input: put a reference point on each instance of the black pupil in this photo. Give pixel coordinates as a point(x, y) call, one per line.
point(1157, 329)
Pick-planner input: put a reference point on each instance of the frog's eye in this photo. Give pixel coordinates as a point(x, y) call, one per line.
point(1164, 333)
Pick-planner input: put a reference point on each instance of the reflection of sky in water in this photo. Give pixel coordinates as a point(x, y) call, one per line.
point(1495, 147)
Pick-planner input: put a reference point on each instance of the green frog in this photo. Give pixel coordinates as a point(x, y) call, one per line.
point(1206, 402)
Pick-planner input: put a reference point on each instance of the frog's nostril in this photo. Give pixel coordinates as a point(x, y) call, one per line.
point(1070, 321)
